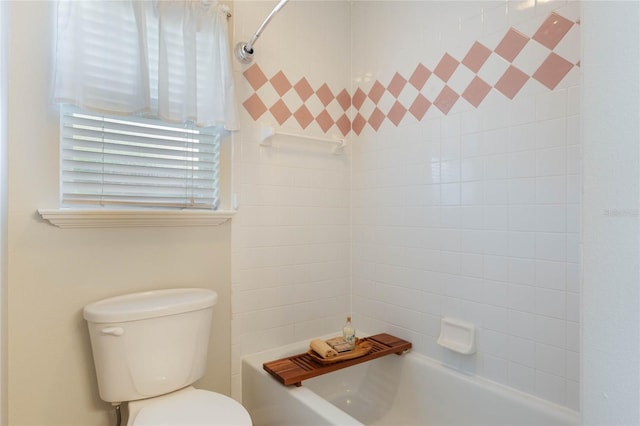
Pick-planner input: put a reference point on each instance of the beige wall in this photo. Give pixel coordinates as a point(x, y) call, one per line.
point(53, 273)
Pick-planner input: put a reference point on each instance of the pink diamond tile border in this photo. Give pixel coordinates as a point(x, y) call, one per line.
point(376, 119)
point(303, 116)
point(512, 44)
point(325, 121)
point(476, 57)
point(344, 99)
point(325, 95)
point(358, 98)
point(446, 99)
point(358, 124)
point(396, 114)
point(476, 91)
point(255, 107)
point(255, 76)
point(303, 89)
point(280, 112)
point(511, 82)
point(419, 107)
point(397, 84)
point(552, 30)
point(420, 76)
point(552, 70)
point(376, 92)
point(549, 72)
point(446, 67)
point(280, 83)
point(344, 124)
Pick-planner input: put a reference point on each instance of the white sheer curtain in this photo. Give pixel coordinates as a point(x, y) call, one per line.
point(167, 58)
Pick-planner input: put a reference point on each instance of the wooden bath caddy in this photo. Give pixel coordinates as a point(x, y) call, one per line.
point(294, 369)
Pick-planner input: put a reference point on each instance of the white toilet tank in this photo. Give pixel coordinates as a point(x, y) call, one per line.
point(151, 343)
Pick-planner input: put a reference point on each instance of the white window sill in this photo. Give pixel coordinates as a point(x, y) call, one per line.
point(81, 218)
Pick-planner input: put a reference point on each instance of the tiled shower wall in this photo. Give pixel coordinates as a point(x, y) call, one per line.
point(291, 235)
point(465, 191)
point(458, 197)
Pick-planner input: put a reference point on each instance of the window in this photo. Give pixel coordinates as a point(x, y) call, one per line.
point(124, 72)
point(130, 161)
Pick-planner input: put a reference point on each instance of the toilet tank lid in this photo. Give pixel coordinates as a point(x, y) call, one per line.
point(149, 304)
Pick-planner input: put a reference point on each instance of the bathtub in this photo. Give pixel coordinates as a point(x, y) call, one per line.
point(409, 389)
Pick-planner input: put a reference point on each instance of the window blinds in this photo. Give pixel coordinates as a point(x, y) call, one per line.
point(131, 161)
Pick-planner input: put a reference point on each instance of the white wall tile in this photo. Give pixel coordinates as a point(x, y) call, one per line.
point(472, 169)
point(471, 193)
point(495, 369)
point(496, 166)
point(551, 105)
point(522, 164)
point(551, 246)
point(471, 218)
point(495, 192)
point(551, 303)
point(521, 297)
point(550, 359)
point(496, 268)
point(495, 293)
point(496, 243)
point(551, 190)
point(493, 342)
point(521, 377)
point(550, 331)
point(551, 133)
point(523, 137)
point(552, 275)
point(573, 307)
point(551, 162)
point(471, 142)
point(551, 218)
point(522, 244)
point(521, 324)
point(573, 366)
point(521, 351)
point(574, 156)
point(496, 218)
point(550, 387)
point(522, 191)
point(573, 336)
point(522, 218)
point(522, 271)
point(572, 395)
point(523, 111)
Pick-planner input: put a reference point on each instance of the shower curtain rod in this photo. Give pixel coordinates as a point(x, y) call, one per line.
point(244, 50)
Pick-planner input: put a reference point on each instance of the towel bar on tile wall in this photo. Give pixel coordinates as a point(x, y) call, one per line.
point(267, 133)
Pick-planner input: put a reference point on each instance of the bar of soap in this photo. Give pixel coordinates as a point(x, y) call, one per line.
point(323, 349)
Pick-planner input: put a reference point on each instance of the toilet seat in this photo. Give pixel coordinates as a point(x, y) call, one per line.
point(189, 407)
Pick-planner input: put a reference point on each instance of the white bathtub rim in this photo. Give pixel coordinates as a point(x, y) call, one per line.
point(510, 393)
point(571, 416)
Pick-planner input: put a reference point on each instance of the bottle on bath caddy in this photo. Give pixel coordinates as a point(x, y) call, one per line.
point(349, 333)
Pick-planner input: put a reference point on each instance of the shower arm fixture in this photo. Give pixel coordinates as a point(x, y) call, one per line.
point(244, 51)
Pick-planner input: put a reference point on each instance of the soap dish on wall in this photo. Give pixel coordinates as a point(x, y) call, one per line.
point(458, 336)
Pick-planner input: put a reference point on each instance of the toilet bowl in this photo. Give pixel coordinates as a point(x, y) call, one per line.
point(149, 348)
point(188, 407)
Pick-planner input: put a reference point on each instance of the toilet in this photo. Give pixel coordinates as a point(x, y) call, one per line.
point(149, 348)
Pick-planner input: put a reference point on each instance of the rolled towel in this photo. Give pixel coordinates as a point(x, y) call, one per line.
point(321, 348)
